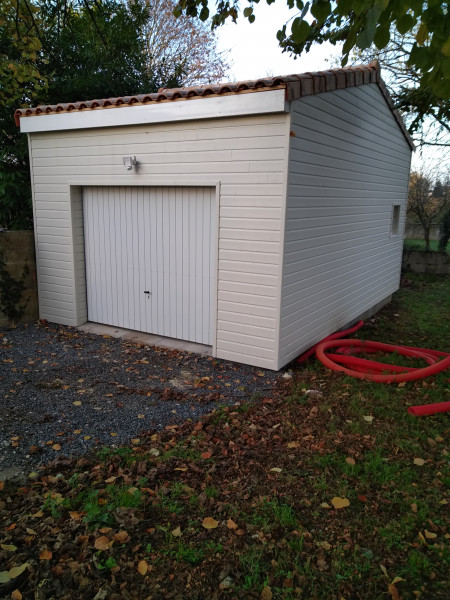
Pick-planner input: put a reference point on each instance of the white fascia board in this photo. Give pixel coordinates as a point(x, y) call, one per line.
point(252, 103)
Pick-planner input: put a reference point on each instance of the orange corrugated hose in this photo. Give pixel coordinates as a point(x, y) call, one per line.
point(343, 361)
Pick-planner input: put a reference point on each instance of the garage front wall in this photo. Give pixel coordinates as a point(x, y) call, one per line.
point(244, 159)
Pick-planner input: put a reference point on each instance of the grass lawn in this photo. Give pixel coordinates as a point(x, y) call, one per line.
point(420, 245)
point(328, 489)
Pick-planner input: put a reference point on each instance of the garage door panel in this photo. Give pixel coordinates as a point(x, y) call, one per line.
point(159, 240)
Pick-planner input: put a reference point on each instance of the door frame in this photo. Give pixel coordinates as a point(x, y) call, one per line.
point(77, 231)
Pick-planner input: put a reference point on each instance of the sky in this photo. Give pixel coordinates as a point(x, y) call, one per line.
point(253, 49)
point(253, 52)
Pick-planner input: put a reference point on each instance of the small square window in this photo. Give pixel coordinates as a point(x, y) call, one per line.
point(395, 223)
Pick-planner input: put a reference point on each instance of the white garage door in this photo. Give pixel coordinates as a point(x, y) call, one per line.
point(150, 259)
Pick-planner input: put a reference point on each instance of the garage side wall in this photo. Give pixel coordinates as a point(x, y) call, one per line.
point(246, 158)
point(348, 167)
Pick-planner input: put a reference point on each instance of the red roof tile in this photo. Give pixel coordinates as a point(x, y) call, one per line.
point(296, 86)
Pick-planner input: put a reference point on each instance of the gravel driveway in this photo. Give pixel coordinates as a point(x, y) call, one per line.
point(64, 391)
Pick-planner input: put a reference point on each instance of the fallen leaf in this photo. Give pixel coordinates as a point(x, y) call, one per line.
point(231, 524)
point(276, 469)
point(338, 502)
point(443, 501)
point(324, 545)
point(135, 440)
point(16, 595)
point(325, 505)
point(430, 535)
point(177, 532)
point(77, 403)
point(33, 475)
point(121, 536)
point(393, 592)
point(141, 416)
point(77, 431)
point(266, 594)
point(419, 462)
point(322, 564)
point(110, 479)
point(75, 515)
point(350, 461)
point(113, 434)
point(102, 543)
point(16, 571)
point(38, 514)
point(56, 447)
point(293, 445)
point(396, 580)
point(86, 437)
point(142, 567)
point(414, 507)
point(368, 418)
point(206, 455)
point(9, 547)
point(30, 531)
point(4, 575)
point(180, 469)
point(383, 568)
point(209, 523)
point(45, 555)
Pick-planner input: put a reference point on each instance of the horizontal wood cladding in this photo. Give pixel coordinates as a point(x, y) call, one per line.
point(246, 156)
point(348, 165)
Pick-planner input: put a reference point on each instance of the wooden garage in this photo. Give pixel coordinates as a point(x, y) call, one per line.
point(255, 217)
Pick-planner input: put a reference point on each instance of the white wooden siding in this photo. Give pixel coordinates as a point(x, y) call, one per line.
point(348, 164)
point(246, 156)
point(156, 240)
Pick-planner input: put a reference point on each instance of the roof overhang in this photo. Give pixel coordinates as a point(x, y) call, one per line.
point(226, 105)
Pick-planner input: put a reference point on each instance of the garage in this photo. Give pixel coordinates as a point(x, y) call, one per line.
point(151, 260)
point(254, 217)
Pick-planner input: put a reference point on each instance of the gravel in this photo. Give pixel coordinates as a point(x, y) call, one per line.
point(65, 392)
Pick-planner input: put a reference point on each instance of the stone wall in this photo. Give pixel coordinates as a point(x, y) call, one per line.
point(414, 231)
point(18, 286)
point(437, 263)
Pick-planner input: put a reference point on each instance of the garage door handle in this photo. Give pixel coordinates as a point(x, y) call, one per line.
point(147, 292)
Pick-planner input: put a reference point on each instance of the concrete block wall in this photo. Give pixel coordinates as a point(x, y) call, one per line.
point(437, 263)
point(17, 253)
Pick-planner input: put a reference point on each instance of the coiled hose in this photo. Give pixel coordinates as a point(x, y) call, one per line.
point(344, 361)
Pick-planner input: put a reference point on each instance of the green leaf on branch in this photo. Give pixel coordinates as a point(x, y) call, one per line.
point(359, 6)
point(365, 38)
point(422, 34)
point(405, 23)
point(320, 9)
point(382, 36)
point(300, 30)
point(420, 57)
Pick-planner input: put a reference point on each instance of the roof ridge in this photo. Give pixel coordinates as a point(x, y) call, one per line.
point(296, 86)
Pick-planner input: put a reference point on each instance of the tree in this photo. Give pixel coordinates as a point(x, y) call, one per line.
point(22, 82)
point(60, 51)
point(424, 204)
point(191, 43)
point(426, 115)
point(357, 23)
point(444, 235)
